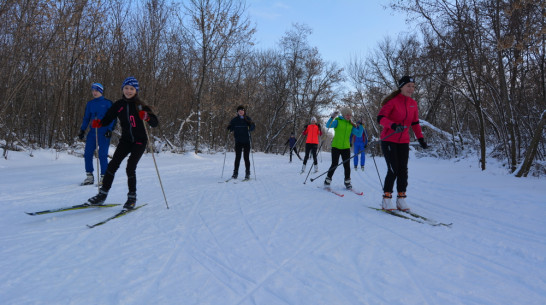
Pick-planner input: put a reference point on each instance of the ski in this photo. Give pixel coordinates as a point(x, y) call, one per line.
point(70, 208)
point(327, 188)
point(406, 215)
point(357, 192)
point(228, 180)
point(429, 220)
point(117, 215)
point(393, 213)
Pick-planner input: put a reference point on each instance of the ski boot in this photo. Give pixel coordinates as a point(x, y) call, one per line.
point(302, 168)
point(100, 180)
point(401, 202)
point(89, 179)
point(348, 185)
point(316, 168)
point(327, 181)
point(362, 167)
point(131, 201)
point(387, 203)
point(234, 176)
point(98, 199)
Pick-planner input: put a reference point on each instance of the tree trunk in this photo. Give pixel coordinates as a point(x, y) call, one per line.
point(532, 149)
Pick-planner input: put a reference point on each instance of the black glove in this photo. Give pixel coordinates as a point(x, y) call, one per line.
point(334, 114)
point(397, 128)
point(228, 127)
point(422, 143)
point(108, 134)
point(248, 121)
point(82, 134)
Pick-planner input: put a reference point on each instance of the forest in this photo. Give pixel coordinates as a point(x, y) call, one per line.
point(479, 68)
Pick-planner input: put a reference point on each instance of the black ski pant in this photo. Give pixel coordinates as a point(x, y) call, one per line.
point(310, 148)
point(122, 150)
point(245, 148)
point(345, 156)
point(294, 149)
point(396, 156)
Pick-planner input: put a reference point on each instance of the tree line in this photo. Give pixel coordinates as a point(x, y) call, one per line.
point(479, 66)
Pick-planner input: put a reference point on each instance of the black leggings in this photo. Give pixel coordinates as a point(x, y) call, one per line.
point(345, 156)
point(136, 150)
point(240, 147)
point(310, 148)
point(396, 156)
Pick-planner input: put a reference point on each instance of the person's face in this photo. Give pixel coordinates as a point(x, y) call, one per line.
point(348, 116)
point(129, 91)
point(407, 89)
point(95, 93)
point(241, 112)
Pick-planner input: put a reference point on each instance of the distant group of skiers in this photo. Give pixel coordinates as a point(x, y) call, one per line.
point(398, 112)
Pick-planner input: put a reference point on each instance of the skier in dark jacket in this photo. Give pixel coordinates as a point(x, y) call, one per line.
point(291, 142)
point(95, 109)
point(241, 125)
point(132, 113)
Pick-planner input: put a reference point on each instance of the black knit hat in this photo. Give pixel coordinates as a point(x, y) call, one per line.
point(404, 80)
point(240, 107)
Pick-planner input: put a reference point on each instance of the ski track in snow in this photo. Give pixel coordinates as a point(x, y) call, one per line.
point(270, 240)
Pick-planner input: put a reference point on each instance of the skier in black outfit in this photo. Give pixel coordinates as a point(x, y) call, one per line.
point(241, 125)
point(131, 112)
point(292, 144)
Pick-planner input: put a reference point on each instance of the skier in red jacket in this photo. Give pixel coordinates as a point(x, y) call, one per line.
point(398, 112)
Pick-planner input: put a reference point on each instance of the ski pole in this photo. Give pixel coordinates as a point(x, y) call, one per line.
point(98, 151)
point(313, 179)
point(225, 153)
point(311, 165)
point(155, 163)
point(251, 153)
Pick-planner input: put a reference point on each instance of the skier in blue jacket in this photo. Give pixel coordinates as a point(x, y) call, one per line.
point(95, 109)
point(359, 144)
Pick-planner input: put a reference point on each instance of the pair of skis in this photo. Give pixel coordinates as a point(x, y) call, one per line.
point(87, 206)
point(234, 180)
point(329, 189)
point(409, 215)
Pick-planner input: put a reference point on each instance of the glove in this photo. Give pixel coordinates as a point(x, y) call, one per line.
point(82, 134)
point(334, 114)
point(95, 123)
point(422, 143)
point(144, 115)
point(108, 134)
point(248, 121)
point(397, 128)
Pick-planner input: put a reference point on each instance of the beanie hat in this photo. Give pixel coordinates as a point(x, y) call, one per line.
point(346, 111)
point(313, 119)
point(130, 81)
point(404, 80)
point(240, 107)
point(98, 87)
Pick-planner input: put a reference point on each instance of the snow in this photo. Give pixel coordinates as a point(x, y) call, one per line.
point(273, 240)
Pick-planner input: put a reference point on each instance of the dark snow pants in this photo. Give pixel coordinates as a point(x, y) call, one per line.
point(136, 150)
point(396, 156)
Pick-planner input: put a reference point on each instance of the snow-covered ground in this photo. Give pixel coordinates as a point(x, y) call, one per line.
point(273, 240)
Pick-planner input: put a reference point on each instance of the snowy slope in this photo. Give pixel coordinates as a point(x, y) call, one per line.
point(273, 240)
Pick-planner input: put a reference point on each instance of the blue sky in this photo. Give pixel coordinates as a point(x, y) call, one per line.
point(341, 29)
